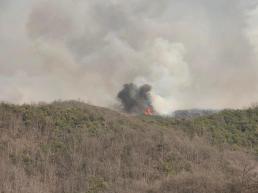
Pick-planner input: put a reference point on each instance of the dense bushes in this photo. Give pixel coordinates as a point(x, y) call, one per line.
point(235, 127)
point(71, 147)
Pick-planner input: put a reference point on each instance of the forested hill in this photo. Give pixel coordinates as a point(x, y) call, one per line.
point(235, 127)
point(72, 147)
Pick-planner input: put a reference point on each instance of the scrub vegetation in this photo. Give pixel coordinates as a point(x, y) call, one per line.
point(72, 147)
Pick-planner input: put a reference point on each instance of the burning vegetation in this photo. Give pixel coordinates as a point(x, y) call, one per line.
point(136, 99)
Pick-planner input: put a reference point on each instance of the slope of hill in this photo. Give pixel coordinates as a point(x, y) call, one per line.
point(235, 127)
point(192, 113)
point(71, 147)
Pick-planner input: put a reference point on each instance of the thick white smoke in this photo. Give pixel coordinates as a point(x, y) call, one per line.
point(168, 73)
point(252, 28)
point(190, 51)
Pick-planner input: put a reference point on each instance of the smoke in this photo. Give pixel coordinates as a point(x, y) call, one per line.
point(135, 99)
point(252, 29)
point(191, 51)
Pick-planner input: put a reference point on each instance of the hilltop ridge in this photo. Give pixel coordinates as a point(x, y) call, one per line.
point(73, 147)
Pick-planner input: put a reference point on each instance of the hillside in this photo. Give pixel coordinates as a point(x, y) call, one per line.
point(72, 147)
point(235, 127)
point(192, 113)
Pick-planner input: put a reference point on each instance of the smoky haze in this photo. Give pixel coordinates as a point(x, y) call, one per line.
point(135, 99)
point(194, 53)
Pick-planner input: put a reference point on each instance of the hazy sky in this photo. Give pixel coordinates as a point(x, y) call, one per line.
point(195, 53)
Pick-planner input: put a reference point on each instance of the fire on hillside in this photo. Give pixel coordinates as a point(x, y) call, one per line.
point(136, 100)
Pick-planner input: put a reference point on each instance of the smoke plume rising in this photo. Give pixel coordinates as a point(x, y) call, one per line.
point(190, 51)
point(135, 99)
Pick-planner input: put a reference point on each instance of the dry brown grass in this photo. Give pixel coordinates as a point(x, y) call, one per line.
point(75, 148)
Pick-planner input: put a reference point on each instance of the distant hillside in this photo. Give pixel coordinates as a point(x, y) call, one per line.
point(72, 147)
point(235, 127)
point(192, 113)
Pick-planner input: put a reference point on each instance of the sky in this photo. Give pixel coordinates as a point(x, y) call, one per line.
point(194, 53)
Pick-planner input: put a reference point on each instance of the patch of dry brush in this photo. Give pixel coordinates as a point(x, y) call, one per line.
point(70, 147)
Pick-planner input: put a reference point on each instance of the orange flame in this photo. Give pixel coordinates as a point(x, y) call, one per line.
point(148, 111)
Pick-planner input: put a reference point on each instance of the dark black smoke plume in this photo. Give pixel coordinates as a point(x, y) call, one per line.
point(135, 99)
